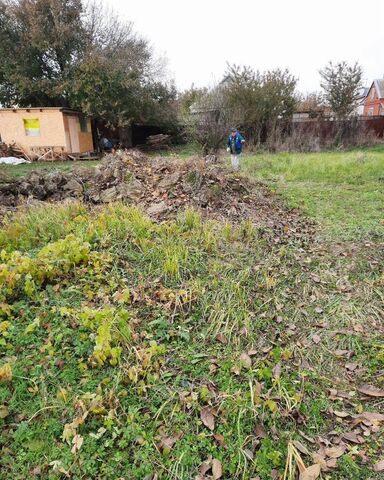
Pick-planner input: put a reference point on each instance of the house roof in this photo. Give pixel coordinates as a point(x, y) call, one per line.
point(379, 85)
point(363, 92)
point(61, 109)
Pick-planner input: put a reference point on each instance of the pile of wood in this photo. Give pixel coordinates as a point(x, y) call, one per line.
point(156, 142)
point(4, 150)
point(18, 152)
point(49, 154)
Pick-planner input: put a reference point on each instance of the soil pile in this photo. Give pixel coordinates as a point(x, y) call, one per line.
point(161, 186)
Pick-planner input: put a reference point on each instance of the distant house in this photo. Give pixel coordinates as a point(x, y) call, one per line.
point(362, 95)
point(374, 101)
point(301, 116)
point(49, 132)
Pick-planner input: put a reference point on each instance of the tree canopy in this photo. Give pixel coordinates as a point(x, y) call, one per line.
point(341, 83)
point(66, 53)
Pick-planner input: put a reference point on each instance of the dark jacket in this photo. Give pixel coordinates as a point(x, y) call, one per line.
point(236, 143)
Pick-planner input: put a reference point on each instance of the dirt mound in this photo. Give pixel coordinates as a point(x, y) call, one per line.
point(160, 186)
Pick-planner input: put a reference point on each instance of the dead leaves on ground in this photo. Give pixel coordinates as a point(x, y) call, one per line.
point(335, 444)
point(207, 418)
point(246, 361)
point(371, 391)
point(379, 466)
point(167, 442)
point(5, 373)
point(212, 465)
point(294, 460)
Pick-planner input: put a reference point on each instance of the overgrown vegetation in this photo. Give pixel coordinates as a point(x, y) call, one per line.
point(341, 83)
point(58, 53)
point(255, 101)
point(187, 349)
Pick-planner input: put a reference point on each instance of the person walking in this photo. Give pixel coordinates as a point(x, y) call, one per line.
point(235, 146)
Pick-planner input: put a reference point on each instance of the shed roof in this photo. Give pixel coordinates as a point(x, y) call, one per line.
point(41, 109)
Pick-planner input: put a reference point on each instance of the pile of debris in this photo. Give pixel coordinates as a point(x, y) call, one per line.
point(4, 150)
point(160, 186)
point(13, 150)
point(156, 142)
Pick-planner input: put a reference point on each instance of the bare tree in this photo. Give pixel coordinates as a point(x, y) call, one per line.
point(209, 122)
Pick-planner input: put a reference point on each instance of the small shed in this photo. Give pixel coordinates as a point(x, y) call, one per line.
point(46, 132)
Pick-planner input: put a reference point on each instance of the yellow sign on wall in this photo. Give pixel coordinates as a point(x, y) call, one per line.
point(32, 127)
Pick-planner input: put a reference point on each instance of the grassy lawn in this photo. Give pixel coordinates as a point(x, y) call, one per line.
point(343, 191)
point(25, 168)
point(195, 349)
point(135, 350)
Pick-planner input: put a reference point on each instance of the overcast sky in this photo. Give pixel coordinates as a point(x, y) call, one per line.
point(199, 37)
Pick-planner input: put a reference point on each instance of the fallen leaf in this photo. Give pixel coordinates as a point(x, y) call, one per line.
point(372, 416)
point(331, 463)
point(205, 466)
point(220, 440)
point(260, 432)
point(351, 366)
point(77, 443)
point(300, 447)
point(207, 418)
point(371, 391)
point(316, 339)
point(310, 473)
point(5, 373)
point(317, 458)
point(276, 371)
point(319, 310)
point(258, 388)
point(352, 437)
point(3, 411)
point(213, 367)
point(341, 414)
point(335, 452)
point(379, 466)
point(332, 392)
point(246, 360)
point(168, 442)
point(217, 469)
point(309, 439)
point(275, 474)
point(222, 338)
point(341, 353)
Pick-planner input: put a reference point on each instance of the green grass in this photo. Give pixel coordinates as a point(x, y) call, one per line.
point(180, 151)
point(116, 333)
point(343, 191)
point(25, 168)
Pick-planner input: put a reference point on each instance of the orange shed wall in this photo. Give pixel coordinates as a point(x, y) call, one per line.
point(52, 133)
point(86, 141)
point(85, 138)
point(67, 137)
